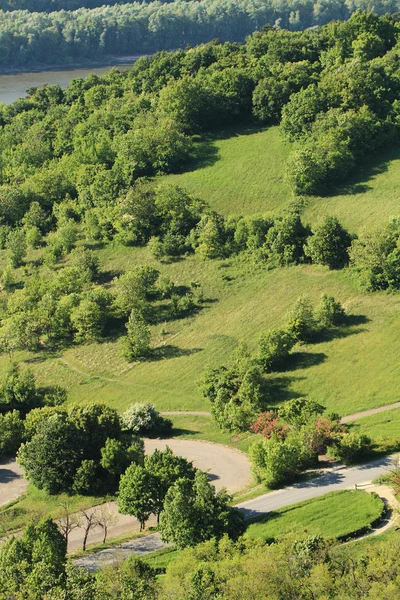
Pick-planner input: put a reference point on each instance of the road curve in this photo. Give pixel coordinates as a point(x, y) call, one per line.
point(333, 479)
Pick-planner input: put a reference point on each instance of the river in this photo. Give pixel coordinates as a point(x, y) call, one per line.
point(13, 87)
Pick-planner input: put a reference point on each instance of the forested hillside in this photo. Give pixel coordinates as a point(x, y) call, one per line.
point(30, 38)
point(213, 233)
point(98, 251)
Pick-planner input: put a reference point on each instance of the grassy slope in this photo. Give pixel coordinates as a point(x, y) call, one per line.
point(383, 427)
point(356, 371)
point(333, 515)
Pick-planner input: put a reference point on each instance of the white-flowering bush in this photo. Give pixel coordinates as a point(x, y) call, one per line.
point(140, 417)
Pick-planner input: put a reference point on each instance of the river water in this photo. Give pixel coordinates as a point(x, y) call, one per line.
point(15, 86)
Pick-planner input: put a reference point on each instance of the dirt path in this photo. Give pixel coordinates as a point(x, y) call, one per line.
point(387, 495)
point(225, 466)
point(12, 482)
point(369, 413)
point(346, 419)
point(140, 546)
point(153, 542)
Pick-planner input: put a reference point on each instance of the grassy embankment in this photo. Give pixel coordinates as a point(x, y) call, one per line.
point(335, 515)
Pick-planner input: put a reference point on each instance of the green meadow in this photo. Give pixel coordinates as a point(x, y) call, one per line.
point(244, 173)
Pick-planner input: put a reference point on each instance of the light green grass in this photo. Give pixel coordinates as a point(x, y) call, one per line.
point(383, 428)
point(160, 559)
point(36, 504)
point(336, 515)
point(245, 174)
point(350, 373)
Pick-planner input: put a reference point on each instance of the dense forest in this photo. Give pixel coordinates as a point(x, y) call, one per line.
point(36, 38)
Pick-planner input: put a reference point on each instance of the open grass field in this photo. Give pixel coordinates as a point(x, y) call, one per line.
point(240, 173)
point(244, 174)
point(336, 515)
point(354, 370)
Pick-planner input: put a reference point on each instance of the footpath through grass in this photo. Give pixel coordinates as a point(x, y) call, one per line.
point(337, 515)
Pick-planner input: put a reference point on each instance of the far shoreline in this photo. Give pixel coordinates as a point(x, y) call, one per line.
point(111, 62)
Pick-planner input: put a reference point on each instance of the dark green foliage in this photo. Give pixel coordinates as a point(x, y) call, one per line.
point(18, 390)
point(12, 433)
point(375, 255)
point(99, 33)
point(351, 448)
point(274, 347)
point(82, 450)
point(300, 411)
point(329, 244)
point(137, 489)
point(330, 313)
point(235, 392)
point(167, 468)
point(193, 512)
point(285, 240)
point(16, 246)
point(34, 564)
point(137, 341)
point(301, 321)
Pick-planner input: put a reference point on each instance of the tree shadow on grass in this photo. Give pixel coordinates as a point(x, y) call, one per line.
point(170, 351)
point(107, 276)
point(303, 360)
point(278, 389)
point(178, 431)
point(358, 183)
point(204, 154)
point(350, 326)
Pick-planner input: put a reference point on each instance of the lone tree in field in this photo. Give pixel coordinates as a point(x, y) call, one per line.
point(137, 341)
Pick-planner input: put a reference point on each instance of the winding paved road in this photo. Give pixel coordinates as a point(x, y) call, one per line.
point(331, 480)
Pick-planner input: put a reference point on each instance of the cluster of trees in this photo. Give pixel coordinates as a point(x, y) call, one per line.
point(187, 507)
point(350, 112)
point(294, 568)
point(375, 255)
point(19, 395)
point(306, 568)
point(92, 140)
point(295, 435)
point(82, 449)
point(35, 566)
point(238, 392)
point(31, 38)
point(68, 304)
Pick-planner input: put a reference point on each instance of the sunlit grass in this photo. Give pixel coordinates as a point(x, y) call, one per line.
point(335, 515)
